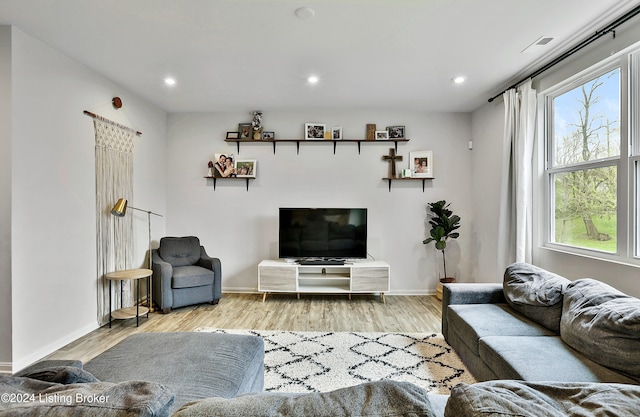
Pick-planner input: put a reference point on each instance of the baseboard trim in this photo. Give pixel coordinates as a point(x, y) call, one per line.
point(52, 347)
point(6, 368)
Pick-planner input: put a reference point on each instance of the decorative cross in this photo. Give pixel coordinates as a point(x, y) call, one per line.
point(392, 158)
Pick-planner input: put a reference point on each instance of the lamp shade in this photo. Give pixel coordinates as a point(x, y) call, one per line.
point(120, 208)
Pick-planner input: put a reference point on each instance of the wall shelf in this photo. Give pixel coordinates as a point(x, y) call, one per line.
point(407, 179)
point(298, 141)
point(229, 178)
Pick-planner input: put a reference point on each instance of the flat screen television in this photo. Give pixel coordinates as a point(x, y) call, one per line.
point(323, 233)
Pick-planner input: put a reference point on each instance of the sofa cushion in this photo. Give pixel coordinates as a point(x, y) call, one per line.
point(180, 251)
point(194, 365)
point(535, 293)
point(474, 321)
point(603, 324)
point(529, 399)
point(191, 276)
point(99, 399)
point(535, 358)
point(380, 398)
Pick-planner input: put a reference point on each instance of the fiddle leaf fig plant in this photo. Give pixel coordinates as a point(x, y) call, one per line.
point(443, 226)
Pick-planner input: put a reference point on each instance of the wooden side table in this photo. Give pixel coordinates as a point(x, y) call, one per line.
point(129, 312)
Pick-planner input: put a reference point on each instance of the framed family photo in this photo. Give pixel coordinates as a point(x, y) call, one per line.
point(382, 135)
point(336, 133)
point(396, 132)
point(246, 168)
point(245, 130)
point(314, 130)
point(421, 164)
point(223, 165)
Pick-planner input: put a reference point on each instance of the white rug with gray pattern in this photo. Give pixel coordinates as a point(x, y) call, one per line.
point(324, 361)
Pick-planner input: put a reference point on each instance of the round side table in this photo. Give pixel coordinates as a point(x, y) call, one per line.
point(129, 312)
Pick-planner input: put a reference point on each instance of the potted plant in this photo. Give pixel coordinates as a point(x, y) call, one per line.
point(443, 226)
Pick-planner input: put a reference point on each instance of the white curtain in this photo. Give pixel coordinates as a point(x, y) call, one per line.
point(515, 232)
point(114, 179)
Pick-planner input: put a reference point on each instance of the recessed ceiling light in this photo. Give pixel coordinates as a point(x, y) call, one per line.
point(305, 12)
point(170, 81)
point(313, 79)
point(459, 80)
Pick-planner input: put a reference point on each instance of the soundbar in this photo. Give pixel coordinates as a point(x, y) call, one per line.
point(321, 262)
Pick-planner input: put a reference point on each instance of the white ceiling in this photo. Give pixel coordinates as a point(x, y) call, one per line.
point(256, 54)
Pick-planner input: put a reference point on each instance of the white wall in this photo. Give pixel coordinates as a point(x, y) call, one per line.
point(5, 199)
point(53, 214)
point(486, 178)
point(487, 132)
point(240, 227)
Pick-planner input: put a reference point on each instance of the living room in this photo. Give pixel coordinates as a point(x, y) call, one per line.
point(48, 222)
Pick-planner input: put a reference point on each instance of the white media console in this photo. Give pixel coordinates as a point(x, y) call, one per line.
point(350, 278)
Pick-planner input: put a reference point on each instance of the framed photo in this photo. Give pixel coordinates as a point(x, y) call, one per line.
point(233, 135)
point(336, 133)
point(246, 168)
point(314, 130)
point(223, 165)
point(396, 132)
point(268, 135)
point(382, 135)
point(421, 164)
point(245, 130)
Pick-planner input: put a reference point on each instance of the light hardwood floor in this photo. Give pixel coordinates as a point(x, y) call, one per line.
point(363, 313)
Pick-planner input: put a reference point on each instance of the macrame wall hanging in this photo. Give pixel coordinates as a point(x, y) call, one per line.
point(114, 179)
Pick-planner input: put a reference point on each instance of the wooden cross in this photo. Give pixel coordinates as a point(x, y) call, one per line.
point(392, 158)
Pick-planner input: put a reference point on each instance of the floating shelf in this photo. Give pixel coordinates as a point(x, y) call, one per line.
point(298, 141)
point(407, 179)
point(230, 178)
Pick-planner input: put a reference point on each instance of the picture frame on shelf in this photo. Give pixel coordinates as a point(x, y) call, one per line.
point(223, 165)
point(268, 135)
point(396, 132)
point(233, 135)
point(421, 164)
point(382, 135)
point(314, 131)
point(245, 168)
point(244, 130)
point(336, 133)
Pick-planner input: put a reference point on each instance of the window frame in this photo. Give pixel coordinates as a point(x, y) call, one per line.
point(627, 163)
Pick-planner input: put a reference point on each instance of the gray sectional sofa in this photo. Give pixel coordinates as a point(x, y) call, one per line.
point(539, 326)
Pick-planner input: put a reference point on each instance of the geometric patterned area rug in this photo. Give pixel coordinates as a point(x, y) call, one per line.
point(324, 361)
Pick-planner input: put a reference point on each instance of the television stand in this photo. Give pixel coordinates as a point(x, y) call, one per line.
point(357, 278)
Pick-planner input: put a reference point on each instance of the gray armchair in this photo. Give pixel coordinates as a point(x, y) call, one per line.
point(183, 274)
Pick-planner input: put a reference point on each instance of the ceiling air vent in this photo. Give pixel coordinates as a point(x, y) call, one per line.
point(538, 45)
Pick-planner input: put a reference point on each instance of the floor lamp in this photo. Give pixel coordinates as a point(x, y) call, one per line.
point(119, 210)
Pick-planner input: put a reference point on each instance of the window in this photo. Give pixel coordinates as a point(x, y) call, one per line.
point(589, 201)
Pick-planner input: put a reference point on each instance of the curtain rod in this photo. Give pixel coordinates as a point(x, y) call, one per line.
point(610, 28)
point(95, 116)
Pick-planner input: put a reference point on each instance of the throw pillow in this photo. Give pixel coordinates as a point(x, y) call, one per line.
point(369, 399)
point(36, 398)
point(603, 324)
point(536, 293)
point(552, 399)
point(62, 375)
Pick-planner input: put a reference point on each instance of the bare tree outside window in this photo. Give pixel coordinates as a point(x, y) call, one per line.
point(585, 151)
